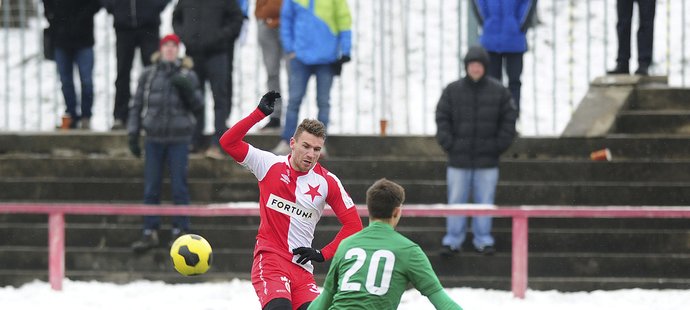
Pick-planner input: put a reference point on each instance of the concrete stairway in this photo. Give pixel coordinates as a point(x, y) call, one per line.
point(649, 168)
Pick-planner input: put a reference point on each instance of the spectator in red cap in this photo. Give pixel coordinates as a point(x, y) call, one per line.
point(166, 105)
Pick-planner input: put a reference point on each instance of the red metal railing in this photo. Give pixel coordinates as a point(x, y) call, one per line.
point(519, 215)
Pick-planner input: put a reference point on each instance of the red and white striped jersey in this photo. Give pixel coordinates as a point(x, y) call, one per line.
point(291, 202)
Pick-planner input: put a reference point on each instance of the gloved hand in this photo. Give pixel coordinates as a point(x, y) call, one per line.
point(268, 102)
point(183, 85)
point(134, 145)
point(338, 65)
point(307, 254)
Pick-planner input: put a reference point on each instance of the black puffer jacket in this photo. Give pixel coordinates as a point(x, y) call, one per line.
point(166, 118)
point(475, 120)
point(133, 14)
point(71, 22)
point(207, 26)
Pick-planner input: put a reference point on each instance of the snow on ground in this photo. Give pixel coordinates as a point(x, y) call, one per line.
point(237, 294)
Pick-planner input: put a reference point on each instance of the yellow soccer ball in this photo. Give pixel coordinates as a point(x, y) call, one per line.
point(191, 255)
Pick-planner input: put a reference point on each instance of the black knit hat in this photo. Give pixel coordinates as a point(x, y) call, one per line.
point(477, 53)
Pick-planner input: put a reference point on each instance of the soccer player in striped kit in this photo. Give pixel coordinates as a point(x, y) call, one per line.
point(372, 269)
point(294, 190)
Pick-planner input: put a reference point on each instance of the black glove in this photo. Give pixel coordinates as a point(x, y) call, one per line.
point(338, 65)
point(268, 102)
point(184, 87)
point(134, 145)
point(307, 254)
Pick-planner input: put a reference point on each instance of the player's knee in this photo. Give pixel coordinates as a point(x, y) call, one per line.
point(279, 304)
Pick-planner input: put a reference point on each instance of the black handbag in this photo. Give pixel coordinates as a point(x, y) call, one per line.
point(48, 44)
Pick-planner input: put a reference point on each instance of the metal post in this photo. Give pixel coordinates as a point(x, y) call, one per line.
point(355, 57)
point(472, 27)
point(553, 65)
point(682, 45)
point(534, 83)
point(461, 67)
point(589, 39)
point(22, 69)
point(39, 70)
point(441, 43)
point(406, 42)
point(519, 256)
point(668, 38)
point(424, 67)
point(571, 53)
point(6, 25)
point(382, 62)
point(56, 250)
point(373, 69)
point(606, 34)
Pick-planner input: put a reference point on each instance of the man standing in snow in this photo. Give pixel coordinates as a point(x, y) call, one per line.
point(645, 36)
point(475, 120)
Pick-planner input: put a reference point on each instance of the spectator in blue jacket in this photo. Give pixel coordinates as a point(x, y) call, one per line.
point(504, 25)
point(316, 36)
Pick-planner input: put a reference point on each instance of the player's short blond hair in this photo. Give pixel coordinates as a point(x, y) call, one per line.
point(311, 126)
point(383, 197)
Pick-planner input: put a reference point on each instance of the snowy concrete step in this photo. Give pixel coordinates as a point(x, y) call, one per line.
point(424, 191)
point(654, 122)
point(662, 99)
point(355, 147)
point(66, 168)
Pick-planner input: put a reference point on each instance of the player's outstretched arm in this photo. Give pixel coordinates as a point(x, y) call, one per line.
point(422, 276)
point(442, 301)
point(231, 141)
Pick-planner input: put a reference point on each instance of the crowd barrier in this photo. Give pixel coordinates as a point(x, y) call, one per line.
point(520, 216)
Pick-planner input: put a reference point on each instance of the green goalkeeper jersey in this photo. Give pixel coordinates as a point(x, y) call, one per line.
point(372, 268)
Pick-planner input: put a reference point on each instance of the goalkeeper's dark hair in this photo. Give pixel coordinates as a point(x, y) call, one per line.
point(311, 126)
point(383, 197)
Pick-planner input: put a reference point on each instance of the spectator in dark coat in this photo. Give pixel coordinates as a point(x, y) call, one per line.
point(645, 36)
point(504, 24)
point(71, 29)
point(208, 30)
point(164, 105)
point(136, 24)
point(475, 119)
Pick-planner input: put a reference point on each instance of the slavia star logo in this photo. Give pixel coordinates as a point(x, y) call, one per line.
point(313, 191)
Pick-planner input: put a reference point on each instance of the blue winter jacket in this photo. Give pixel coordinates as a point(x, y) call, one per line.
point(317, 31)
point(504, 23)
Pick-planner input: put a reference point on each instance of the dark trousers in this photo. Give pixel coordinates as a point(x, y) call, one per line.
point(213, 68)
point(513, 65)
point(176, 157)
point(645, 33)
point(66, 59)
point(146, 39)
point(231, 59)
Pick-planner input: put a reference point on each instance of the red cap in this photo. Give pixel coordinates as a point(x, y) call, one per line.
point(170, 38)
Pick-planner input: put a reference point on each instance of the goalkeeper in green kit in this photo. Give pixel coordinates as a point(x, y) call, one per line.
point(372, 268)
